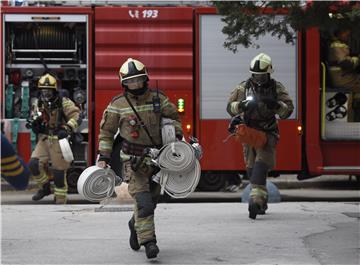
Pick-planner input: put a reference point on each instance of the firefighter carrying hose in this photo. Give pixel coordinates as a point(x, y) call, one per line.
point(256, 102)
point(137, 115)
point(56, 118)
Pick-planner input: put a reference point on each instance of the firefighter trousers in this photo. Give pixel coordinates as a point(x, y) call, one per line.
point(48, 149)
point(258, 163)
point(146, 194)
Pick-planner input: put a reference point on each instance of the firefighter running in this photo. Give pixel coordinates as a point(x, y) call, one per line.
point(137, 114)
point(58, 118)
point(258, 100)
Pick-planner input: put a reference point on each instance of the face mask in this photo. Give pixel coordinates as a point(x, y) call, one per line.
point(46, 94)
point(137, 92)
point(260, 79)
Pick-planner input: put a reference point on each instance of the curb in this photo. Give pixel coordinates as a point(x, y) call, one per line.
point(336, 183)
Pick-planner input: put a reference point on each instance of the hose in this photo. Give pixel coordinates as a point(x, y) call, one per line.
point(96, 184)
point(178, 176)
point(167, 131)
point(180, 170)
point(178, 162)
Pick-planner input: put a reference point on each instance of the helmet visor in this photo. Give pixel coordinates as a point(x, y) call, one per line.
point(138, 79)
point(46, 94)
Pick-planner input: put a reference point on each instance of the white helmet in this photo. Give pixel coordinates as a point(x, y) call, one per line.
point(131, 69)
point(261, 64)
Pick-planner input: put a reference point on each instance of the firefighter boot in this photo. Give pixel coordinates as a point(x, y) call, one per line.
point(263, 208)
point(254, 208)
point(151, 249)
point(257, 201)
point(134, 243)
point(41, 193)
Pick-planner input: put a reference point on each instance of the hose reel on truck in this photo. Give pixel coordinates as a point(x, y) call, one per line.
point(38, 43)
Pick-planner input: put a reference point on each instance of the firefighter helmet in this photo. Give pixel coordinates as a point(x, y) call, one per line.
point(261, 64)
point(132, 69)
point(47, 81)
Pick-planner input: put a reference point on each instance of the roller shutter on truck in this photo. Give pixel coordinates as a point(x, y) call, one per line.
point(219, 71)
point(160, 37)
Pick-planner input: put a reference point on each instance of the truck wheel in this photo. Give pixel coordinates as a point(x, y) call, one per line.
point(210, 181)
point(72, 176)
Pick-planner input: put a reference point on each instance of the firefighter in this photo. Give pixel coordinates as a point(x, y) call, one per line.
point(137, 113)
point(344, 70)
point(58, 118)
point(258, 100)
point(13, 169)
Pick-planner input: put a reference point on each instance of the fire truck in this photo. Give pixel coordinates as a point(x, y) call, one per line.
point(181, 43)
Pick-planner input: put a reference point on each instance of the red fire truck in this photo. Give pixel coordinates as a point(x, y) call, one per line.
point(182, 46)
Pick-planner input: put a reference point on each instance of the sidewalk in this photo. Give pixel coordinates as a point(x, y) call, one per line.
point(282, 182)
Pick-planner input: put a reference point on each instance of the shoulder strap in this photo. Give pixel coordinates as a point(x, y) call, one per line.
point(273, 87)
point(61, 114)
point(142, 124)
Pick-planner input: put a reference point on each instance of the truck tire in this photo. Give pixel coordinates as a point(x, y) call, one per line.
point(72, 176)
point(211, 181)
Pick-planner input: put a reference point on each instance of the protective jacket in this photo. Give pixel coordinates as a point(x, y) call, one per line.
point(64, 113)
point(260, 116)
point(343, 68)
point(119, 115)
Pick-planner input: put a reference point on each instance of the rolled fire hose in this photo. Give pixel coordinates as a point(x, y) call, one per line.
point(180, 169)
point(25, 97)
point(96, 184)
point(9, 95)
point(167, 131)
point(14, 132)
point(66, 150)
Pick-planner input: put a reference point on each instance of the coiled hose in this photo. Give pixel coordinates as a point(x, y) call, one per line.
point(180, 170)
point(96, 184)
point(179, 175)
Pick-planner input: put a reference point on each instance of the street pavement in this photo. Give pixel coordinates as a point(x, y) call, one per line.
point(187, 233)
point(317, 222)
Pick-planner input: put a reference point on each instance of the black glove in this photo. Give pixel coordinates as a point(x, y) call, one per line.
point(36, 125)
point(271, 103)
point(134, 163)
point(193, 140)
point(179, 136)
point(247, 104)
point(62, 133)
point(138, 161)
point(104, 157)
point(233, 122)
point(346, 65)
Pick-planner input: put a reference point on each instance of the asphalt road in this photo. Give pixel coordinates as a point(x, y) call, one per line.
point(191, 233)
